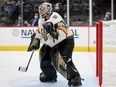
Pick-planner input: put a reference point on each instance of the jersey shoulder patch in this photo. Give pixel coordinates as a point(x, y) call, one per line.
point(55, 16)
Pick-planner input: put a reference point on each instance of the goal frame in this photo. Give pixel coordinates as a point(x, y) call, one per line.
point(99, 49)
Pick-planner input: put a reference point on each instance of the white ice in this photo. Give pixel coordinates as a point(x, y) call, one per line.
point(11, 77)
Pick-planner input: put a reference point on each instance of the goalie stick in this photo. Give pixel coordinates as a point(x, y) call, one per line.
point(24, 69)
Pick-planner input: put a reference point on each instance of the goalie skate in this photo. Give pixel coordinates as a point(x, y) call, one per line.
point(76, 81)
point(43, 78)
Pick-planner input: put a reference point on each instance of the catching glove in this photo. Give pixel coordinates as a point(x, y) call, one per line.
point(48, 26)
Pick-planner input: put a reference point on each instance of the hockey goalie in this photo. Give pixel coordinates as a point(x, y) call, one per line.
point(56, 51)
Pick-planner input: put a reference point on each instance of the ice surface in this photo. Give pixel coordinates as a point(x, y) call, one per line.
point(11, 77)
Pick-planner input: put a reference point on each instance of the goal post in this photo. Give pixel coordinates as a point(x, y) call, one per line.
point(99, 46)
point(106, 52)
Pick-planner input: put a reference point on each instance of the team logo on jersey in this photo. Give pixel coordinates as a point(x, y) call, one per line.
point(55, 17)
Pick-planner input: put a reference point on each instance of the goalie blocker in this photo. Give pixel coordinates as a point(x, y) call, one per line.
point(34, 43)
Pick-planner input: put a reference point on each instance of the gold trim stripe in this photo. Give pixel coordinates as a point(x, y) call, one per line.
point(63, 29)
point(24, 48)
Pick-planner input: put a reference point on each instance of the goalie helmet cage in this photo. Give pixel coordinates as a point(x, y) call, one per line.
point(105, 45)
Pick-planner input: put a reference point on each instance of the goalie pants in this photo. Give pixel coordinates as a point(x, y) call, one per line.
point(65, 48)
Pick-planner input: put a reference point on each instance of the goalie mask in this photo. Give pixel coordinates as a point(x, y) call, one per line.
point(45, 9)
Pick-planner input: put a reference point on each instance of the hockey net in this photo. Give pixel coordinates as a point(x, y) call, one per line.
point(106, 53)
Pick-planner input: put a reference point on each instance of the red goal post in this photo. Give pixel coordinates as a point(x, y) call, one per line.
point(99, 46)
point(105, 43)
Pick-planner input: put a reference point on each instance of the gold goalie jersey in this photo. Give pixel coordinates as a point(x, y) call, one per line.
point(60, 26)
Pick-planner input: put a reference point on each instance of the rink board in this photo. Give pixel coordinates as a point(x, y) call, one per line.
point(18, 38)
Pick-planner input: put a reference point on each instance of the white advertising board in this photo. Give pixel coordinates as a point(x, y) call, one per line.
point(20, 36)
point(15, 36)
point(80, 35)
point(92, 36)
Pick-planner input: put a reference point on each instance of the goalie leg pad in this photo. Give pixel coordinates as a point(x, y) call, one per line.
point(71, 69)
point(42, 53)
point(46, 64)
point(48, 69)
point(73, 75)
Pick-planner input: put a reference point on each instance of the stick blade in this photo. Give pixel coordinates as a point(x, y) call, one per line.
point(23, 69)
